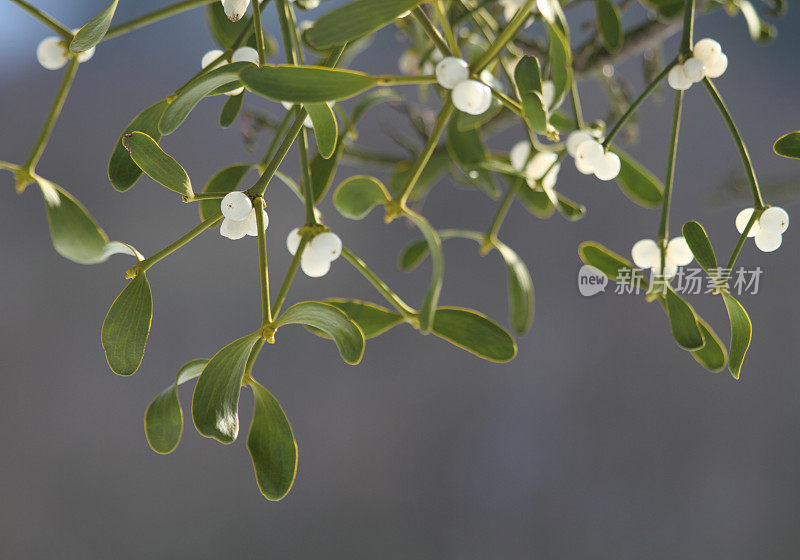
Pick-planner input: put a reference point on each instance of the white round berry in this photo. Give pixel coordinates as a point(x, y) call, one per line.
point(245, 54)
point(549, 180)
point(548, 93)
point(314, 264)
point(677, 78)
point(588, 156)
point(236, 205)
point(485, 104)
point(774, 219)
point(694, 69)
point(52, 53)
point(768, 241)
point(519, 154)
point(408, 63)
point(742, 218)
point(706, 50)
point(235, 9)
point(575, 139)
point(470, 96)
point(233, 229)
point(608, 167)
point(646, 254)
point(327, 244)
point(717, 66)
point(293, 240)
point(540, 164)
point(210, 57)
point(678, 252)
point(451, 71)
point(288, 106)
point(252, 223)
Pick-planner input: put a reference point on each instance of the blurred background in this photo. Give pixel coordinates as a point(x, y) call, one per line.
point(601, 440)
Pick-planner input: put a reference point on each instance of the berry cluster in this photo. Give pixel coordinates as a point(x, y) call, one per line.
point(242, 54)
point(53, 53)
point(542, 168)
point(646, 254)
point(468, 95)
point(708, 62)
point(768, 228)
point(591, 157)
point(319, 252)
point(240, 216)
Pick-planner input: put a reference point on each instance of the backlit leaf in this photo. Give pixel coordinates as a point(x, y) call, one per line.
point(637, 182)
point(475, 333)
point(698, 242)
point(683, 322)
point(741, 333)
point(122, 171)
point(127, 326)
point(788, 145)
point(358, 195)
point(331, 320)
point(326, 130)
point(231, 110)
point(305, 84)
point(609, 24)
point(355, 19)
point(528, 79)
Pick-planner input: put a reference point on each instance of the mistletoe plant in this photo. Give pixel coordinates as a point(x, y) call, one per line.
point(485, 66)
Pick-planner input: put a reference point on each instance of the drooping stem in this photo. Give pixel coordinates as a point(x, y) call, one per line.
point(259, 31)
point(263, 266)
point(204, 196)
point(502, 210)
point(45, 19)
point(141, 266)
point(635, 105)
point(669, 179)
point(153, 17)
point(427, 151)
point(52, 116)
point(431, 31)
point(505, 36)
point(404, 309)
point(290, 273)
point(758, 201)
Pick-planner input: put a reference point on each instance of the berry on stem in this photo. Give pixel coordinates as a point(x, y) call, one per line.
point(472, 96)
point(236, 205)
point(451, 71)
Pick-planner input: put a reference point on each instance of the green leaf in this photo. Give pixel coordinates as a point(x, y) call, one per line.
point(305, 84)
point(520, 289)
point(560, 62)
point(218, 80)
point(475, 333)
point(609, 24)
point(439, 164)
point(413, 254)
point(354, 20)
point(713, 355)
point(466, 147)
point(271, 445)
point(638, 184)
point(358, 195)
point(788, 145)
point(122, 170)
point(536, 202)
point(741, 333)
point(569, 209)
point(93, 32)
point(224, 181)
point(608, 262)
point(224, 31)
point(157, 164)
point(326, 130)
point(528, 79)
point(331, 320)
point(231, 110)
point(215, 402)
point(372, 319)
point(698, 242)
point(683, 322)
point(163, 419)
point(127, 326)
point(431, 301)
point(323, 170)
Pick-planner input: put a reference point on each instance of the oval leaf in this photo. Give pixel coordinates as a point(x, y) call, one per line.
point(638, 184)
point(741, 333)
point(305, 84)
point(330, 320)
point(474, 333)
point(122, 171)
point(215, 402)
point(713, 355)
point(93, 32)
point(156, 163)
point(560, 62)
point(231, 110)
point(372, 319)
point(163, 419)
point(272, 446)
point(683, 322)
point(698, 242)
point(788, 145)
point(354, 20)
point(528, 79)
point(608, 262)
point(325, 128)
point(609, 24)
point(520, 289)
point(127, 326)
point(358, 195)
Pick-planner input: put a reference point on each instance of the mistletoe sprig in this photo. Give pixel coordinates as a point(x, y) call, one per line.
point(486, 66)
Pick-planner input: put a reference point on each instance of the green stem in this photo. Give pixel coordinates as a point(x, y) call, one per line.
point(141, 266)
point(290, 273)
point(502, 211)
point(404, 80)
point(505, 36)
point(279, 132)
point(263, 266)
point(576, 105)
point(441, 15)
point(247, 379)
point(269, 171)
point(308, 187)
point(431, 31)
point(663, 228)
point(52, 116)
point(508, 102)
point(635, 105)
point(427, 151)
point(45, 19)
point(758, 201)
point(742, 238)
point(688, 27)
point(259, 31)
point(205, 196)
point(153, 17)
point(404, 309)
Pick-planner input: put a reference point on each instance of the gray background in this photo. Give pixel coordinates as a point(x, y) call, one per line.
point(601, 440)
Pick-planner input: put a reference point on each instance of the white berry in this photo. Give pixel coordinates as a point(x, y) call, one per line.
point(314, 264)
point(774, 219)
point(252, 223)
point(245, 54)
point(519, 154)
point(548, 93)
point(451, 71)
point(233, 229)
point(470, 96)
point(646, 253)
point(742, 220)
point(293, 240)
point(235, 9)
point(768, 241)
point(608, 167)
point(588, 156)
point(210, 57)
point(717, 66)
point(236, 205)
point(52, 53)
point(540, 164)
point(327, 244)
point(288, 106)
point(678, 252)
point(677, 78)
point(575, 139)
point(706, 50)
point(694, 69)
